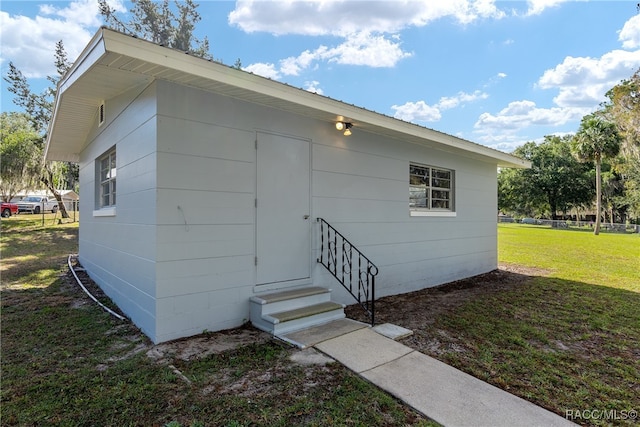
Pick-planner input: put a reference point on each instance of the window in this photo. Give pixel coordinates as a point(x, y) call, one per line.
point(107, 175)
point(430, 188)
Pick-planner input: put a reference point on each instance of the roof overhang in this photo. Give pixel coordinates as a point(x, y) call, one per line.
point(113, 63)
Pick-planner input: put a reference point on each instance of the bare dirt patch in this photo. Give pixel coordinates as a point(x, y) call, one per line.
point(185, 349)
point(416, 310)
point(204, 345)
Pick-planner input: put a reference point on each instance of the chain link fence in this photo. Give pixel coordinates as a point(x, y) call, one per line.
point(574, 225)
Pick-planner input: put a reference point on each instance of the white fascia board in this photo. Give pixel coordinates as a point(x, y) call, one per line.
point(89, 56)
point(176, 60)
point(109, 41)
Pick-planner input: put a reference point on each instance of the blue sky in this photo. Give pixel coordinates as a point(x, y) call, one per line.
point(499, 73)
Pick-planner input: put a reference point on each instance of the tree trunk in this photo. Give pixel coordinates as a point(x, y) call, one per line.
point(47, 179)
point(596, 229)
point(611, 216)
point(553, 207)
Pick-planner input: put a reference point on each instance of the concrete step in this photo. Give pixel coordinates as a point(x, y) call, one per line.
point(298, 313)
point(291, 299)
point(292, 310)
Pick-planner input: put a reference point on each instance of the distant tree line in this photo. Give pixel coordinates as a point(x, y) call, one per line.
point(595, 171)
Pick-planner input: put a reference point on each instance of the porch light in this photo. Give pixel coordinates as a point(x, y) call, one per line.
point(346, 126)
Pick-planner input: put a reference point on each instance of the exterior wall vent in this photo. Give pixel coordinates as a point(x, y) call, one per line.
point(101, 115)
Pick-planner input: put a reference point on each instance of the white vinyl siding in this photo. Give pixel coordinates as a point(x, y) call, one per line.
point(179, 257)
point(360, 187)
point(118, 249)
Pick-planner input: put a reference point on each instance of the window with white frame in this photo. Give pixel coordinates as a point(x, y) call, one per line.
point(430, 188)
point(106, 166)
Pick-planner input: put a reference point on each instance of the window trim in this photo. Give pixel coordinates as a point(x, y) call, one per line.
point(427, 210)
point(103, 209)
point(110, 211)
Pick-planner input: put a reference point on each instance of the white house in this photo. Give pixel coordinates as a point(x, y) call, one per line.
point(221, 177)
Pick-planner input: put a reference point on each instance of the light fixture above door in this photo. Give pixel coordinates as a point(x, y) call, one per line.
point(344, 126)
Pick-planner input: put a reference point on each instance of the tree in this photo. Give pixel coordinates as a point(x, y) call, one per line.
point(596, 140)
point(555, 182)
point(39, 108)
point(614, 201)
point(517, 193)
point(152, 20)
point(156, 22)
point(21, 153)
point(623, 109)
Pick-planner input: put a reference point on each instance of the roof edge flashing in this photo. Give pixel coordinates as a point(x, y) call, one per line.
point(107, 41)
point(89, 56)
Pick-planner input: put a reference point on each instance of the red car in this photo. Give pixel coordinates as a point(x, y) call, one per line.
point(8, 209)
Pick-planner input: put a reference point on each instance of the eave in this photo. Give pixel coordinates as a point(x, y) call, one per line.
point(113, 63)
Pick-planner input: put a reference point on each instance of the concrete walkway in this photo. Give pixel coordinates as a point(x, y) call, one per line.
point(442, 393)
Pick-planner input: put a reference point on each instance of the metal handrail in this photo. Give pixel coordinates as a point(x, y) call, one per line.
point(339, 250)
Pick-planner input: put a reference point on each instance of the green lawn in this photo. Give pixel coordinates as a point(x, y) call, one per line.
point(566, 338)
point(609, 259)
point(65, 362)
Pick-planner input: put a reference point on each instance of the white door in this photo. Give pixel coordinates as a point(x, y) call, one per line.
point(283, 234)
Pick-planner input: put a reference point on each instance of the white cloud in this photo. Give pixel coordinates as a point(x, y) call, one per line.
point(494, 80)
point(446, 102)
point(485, 9)
point(630, 33)
point(367, 49)
point(422, 112)
point(518, 115)
point(358, 49)
point(536, 7)
point(340, 17)
point(30, 42)
point(313, 86)
point(80, 12)
point(264, 70)
point(583, 81)
point(292, 66)
point(369, 29)
point(417, 112)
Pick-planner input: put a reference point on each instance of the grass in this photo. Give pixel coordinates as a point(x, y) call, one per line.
point(568, 337)
point(66, 362)
point(610, 259)
point(32, 255)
